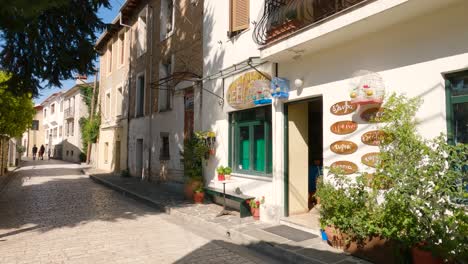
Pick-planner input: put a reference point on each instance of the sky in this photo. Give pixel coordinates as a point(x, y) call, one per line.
point(107, 15)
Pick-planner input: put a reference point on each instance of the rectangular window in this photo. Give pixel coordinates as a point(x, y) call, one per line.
point(141, 33)
point(107, 105)
point(457, 107)
point(165, 91)
point(109, 58)
point(165, 153)
point(35, 125)
point(122, 48)
point(106, 152)
point(45, 112)
point(67, 129)
point(52, 109)
point(250, 142)
point(140, 96)
point(119, 102)
point(167, 18)
point(60, 131)
point(61, 106)
point(54, 133)
point(72, 128)
point(239, 17)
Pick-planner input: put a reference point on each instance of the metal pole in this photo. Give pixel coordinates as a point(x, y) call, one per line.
point(91, 115)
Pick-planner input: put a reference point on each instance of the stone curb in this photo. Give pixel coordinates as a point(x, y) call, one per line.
point(235, 236)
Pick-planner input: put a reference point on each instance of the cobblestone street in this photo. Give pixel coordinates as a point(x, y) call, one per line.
point(50, 213)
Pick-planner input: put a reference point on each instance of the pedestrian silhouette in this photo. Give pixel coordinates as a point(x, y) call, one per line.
point(34, 151)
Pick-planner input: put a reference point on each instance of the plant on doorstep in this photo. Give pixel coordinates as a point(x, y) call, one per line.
point(194, 153)
point(199, 195)
point(255, 206)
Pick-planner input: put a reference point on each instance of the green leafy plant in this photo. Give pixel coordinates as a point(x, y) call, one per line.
point(255, 203)
point(227, 170)
point(199, 189)
point(220, 170)
point(20, 149)
point(195, 151)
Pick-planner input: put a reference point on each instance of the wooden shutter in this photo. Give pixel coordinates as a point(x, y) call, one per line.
point(239, 15)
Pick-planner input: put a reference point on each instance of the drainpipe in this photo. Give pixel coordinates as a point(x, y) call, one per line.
point(150, 117)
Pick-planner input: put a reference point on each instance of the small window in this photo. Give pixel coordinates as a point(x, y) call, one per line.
point(239, 16)
point(119, 102)
point(109, 58)
point(141, 33)
point(250, 142)
point(457, 107)
point(67, 153)
point(60, 131)
point(140, 96)
point(167, 18)
point(72, 128)
point(122, 48)
point(165, 153)
point(165, 91)
point(61, 106)
point(35, 125)
point(106, 152)
point(45, 112)
point(71, 153)
point(54, 133)
point(52, 109)
point(107, 105)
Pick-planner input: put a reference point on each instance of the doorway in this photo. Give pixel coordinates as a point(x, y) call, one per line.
point(117, 156)
point(303, 156)
point(139, 158)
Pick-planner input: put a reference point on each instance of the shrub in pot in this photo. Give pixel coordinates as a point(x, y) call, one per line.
point(220, 171)
point(255, 207)
point(227, 173)
point(199, 195)
point(194, 152)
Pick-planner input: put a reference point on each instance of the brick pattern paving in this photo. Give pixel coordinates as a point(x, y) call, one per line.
point(50, 213)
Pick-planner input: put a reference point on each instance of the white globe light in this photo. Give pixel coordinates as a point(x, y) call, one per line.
point(298, 83)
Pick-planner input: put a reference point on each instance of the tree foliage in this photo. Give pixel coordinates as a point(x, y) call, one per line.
point(89, 128)
point(16, 111)
point(47, 41)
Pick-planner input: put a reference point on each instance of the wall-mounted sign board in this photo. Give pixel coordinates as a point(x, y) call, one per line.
point(343, 147)
point(346, 167)
point(247, 89)
point(370, 159)
point(373, 138)
point(343, 127)
point(343, 108)
point(373, 115)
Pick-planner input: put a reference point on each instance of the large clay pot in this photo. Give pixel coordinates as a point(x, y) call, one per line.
point(255, 213)
point(335, 238)
point(198, 197)
point(374, 249)
point(421, 256)
point(190, 187)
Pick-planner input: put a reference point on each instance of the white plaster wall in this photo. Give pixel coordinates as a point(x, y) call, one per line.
point(138, 129)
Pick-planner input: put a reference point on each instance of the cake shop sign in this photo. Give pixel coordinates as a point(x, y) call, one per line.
point(343, 127)
point(345, 167)
point(343, 108)
point(343, 147)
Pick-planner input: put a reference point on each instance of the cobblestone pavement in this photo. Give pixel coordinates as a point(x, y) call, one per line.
point(50, 213)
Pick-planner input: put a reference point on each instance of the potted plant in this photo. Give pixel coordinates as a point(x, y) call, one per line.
point(194, 152)
point(227, 173)
point(255, 207)
point(220, 171)
point(199, 195)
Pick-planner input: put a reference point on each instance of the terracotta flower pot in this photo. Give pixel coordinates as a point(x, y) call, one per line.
point(190, 187)
point(221, 177)
point(335, 237)
point(198, 197)
point(255, 213)
point(374, 249)
point(421, 256)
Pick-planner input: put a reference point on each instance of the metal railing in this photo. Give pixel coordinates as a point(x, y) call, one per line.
point(281, 18)
point(69, 113)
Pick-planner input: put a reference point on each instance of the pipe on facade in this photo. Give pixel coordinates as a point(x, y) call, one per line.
point(150, 117)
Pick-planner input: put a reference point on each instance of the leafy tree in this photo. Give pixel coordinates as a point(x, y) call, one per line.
point(89, 128)
point(47, 41)
point(17, 111)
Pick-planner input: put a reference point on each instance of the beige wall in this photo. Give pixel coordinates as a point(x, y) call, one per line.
point(298, 157)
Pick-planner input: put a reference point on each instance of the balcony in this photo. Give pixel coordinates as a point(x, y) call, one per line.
point(293, 28)
point(69, 113)
point(281, 18)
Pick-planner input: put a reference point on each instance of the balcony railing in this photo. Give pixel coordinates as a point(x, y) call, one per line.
point(281, 18)
point(69, 113)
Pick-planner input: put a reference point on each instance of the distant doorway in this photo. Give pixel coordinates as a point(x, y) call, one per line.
point(139, 158)
point(117, 156)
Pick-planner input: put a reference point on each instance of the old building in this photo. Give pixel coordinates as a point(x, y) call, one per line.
point(35, 135)
point(52, 110)
point(334, 60)
point(160, 58)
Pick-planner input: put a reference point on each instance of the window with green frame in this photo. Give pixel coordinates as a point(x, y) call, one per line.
point(457, 107)
point(250, 145)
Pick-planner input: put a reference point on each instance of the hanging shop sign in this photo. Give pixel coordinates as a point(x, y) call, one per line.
point(343, 108)
point(373, 115)
point(371, 159)
point(250, 87)
point(343, 127)
point(343, 147)
point(280, 88)
point(346, 167)
point(373, 138)
point(369, 90)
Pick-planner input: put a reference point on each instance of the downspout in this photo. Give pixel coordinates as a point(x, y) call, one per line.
point(129, 84)
point(150, 117)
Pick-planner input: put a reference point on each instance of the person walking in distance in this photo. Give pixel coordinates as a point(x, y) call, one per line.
point(34, 151)
point(41, 152)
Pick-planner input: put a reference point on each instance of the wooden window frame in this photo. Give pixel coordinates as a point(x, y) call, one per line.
point(450, 100)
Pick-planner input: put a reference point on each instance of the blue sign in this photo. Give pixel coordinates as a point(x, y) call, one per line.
point(279, 87)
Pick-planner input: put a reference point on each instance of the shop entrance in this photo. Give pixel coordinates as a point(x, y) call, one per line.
point(304, 159)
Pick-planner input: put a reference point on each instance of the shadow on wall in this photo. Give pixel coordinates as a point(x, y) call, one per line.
point(70, 152)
